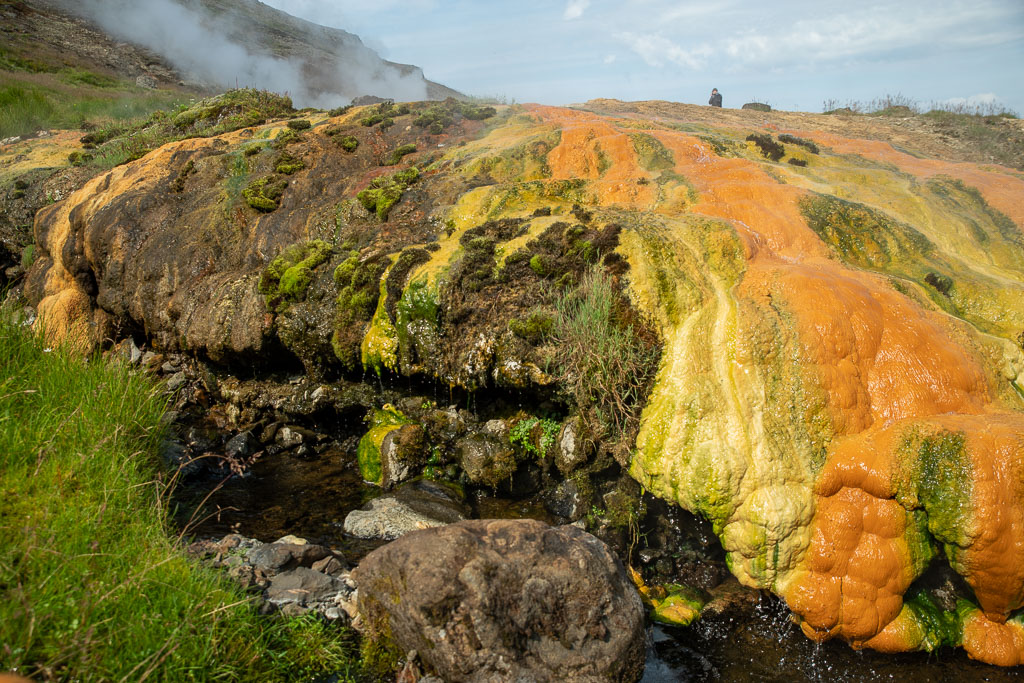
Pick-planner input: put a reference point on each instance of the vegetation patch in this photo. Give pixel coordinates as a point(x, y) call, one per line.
point(534, 435)
point(398, 153)
point(358, 285)
point(92, 587)
point(769, 148)
point(802, 142)
point(265, 193)
point(535, 328)
point(605, 357)
point(348, 143)
point(440, 116)
point(385, 191)
point(288, 164)
point(299, 124)
point(289, 275)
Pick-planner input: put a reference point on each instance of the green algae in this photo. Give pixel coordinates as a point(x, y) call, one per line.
point(379, 349)
point(936, 474)
point(680, 607)
point(937, 627)
point(417, 325)
point(287, 277)
point(368, 455)
point(652, 154)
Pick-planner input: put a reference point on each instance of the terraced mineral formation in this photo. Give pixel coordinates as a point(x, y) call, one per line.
point(841, 386)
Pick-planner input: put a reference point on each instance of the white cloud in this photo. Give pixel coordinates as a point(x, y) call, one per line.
point(574, 9)
point(657, 50)
point(610, 59)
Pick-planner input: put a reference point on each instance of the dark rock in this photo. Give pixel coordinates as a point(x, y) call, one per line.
point(241, 445)
point(331, 566)
point(485, 459)
point(510, 600)
point(302, 586)
point(568, 500)
point(757, 106)
point(274, 558)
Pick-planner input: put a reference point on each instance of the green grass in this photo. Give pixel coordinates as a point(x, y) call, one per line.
point(92, 584)
point(602, 359)
point(26, 107)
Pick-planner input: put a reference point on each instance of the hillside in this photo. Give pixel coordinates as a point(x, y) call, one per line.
point(836, 312)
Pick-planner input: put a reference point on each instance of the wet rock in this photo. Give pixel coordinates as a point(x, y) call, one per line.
point(485, 459)
point(416, 505)
point(241, 445)
point(402, 452)
point(569, 500)
point(291, 436)
point(331, 566)
point(571, 450)
point(510, 600)
point(302, 586)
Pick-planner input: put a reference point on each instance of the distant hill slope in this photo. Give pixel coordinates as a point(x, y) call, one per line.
point(230, 43)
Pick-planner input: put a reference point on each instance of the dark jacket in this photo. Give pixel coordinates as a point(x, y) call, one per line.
point(716, 99)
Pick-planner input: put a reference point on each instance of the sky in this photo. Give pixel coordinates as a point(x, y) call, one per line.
point(792, 54)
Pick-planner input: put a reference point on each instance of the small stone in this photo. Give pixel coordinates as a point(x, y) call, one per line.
point(169, 368)
point(329, 565)
point(176, 381)
point(241, 445)
point(292, 540)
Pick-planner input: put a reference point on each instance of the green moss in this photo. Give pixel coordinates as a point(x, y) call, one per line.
point(265, 193)
point(178, 185)
point(385, 191)
point(535, 327)
point(368, 452)
point(287, 277)
point(288, 164)
point(539, 265)
point(28, 256)
point(399, 152)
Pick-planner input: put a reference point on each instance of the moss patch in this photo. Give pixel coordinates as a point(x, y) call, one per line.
point(289, 275)
point(385, 191)
point(381, 422)
point(265, 193)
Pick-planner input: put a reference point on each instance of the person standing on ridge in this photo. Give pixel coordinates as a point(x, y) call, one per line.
point(716, 98)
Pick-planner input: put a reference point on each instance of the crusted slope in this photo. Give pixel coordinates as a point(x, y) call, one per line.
point(840, 388)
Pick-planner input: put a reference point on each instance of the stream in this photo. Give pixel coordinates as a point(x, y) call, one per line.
point(310, 498)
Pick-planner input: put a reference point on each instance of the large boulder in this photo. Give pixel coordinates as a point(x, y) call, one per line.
point(505, 600)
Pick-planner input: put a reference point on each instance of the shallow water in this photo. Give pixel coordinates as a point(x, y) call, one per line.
point(310, 498)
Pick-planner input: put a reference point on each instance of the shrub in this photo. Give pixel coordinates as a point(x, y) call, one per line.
point(794, 140)
point(349, 143)
point(299, 124)
point(769, 148)
point(400, 152)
